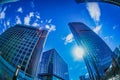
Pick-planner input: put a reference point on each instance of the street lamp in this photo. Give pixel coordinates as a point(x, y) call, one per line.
point(16, 73)
point(0, 52)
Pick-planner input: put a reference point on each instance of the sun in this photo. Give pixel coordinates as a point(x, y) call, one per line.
point(78, 53)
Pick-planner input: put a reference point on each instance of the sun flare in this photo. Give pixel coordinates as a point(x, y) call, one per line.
point(78, 52)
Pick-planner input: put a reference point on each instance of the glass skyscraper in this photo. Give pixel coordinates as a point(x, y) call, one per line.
point(22, 45)
point(53, 67)
point(97, 54)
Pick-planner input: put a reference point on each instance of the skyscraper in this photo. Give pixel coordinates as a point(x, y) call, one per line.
point(53, 67)
point(117, 55)
point(97, 54)
point(117, 51)
point(22, 45)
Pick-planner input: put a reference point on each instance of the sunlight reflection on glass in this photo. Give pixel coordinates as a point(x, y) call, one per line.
point(77, 53)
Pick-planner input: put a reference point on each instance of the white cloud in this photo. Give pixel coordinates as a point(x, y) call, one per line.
point(47, 26)
point(107, 38)
point(50, 20)
point(115, 26)
point(97, 29)
point(94, 11)
point(31, 14)
point(68, 39)
point(28, 18)
point(40, 28)
point(41, 21)
point(20, 9)
point(18, 21)
point(38, 22)
point(35, 24)
point(2, 13)
point(8, 23)
point(4, 8)
point(37, 16)
point(50, 27)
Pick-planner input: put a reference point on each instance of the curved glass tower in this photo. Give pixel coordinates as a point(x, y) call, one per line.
point(22, 45)
point(97, 54)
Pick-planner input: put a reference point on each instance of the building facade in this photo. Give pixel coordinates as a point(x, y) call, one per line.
point(22, 45)
point(53, 67)
point(117, 55)
point(97, 54)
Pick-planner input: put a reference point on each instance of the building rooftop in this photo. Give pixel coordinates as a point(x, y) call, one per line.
point(79, 26)
point(29, 27)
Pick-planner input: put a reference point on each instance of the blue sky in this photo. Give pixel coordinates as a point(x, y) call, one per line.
point(55, 15)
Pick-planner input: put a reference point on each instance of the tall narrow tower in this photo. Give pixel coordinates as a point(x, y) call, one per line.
point(97, 54)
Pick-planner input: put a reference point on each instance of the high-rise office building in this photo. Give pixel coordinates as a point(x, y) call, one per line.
point(117, 55)
point(22, 45)
point(53, 67)
point(117, 51)
point(97, 54)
